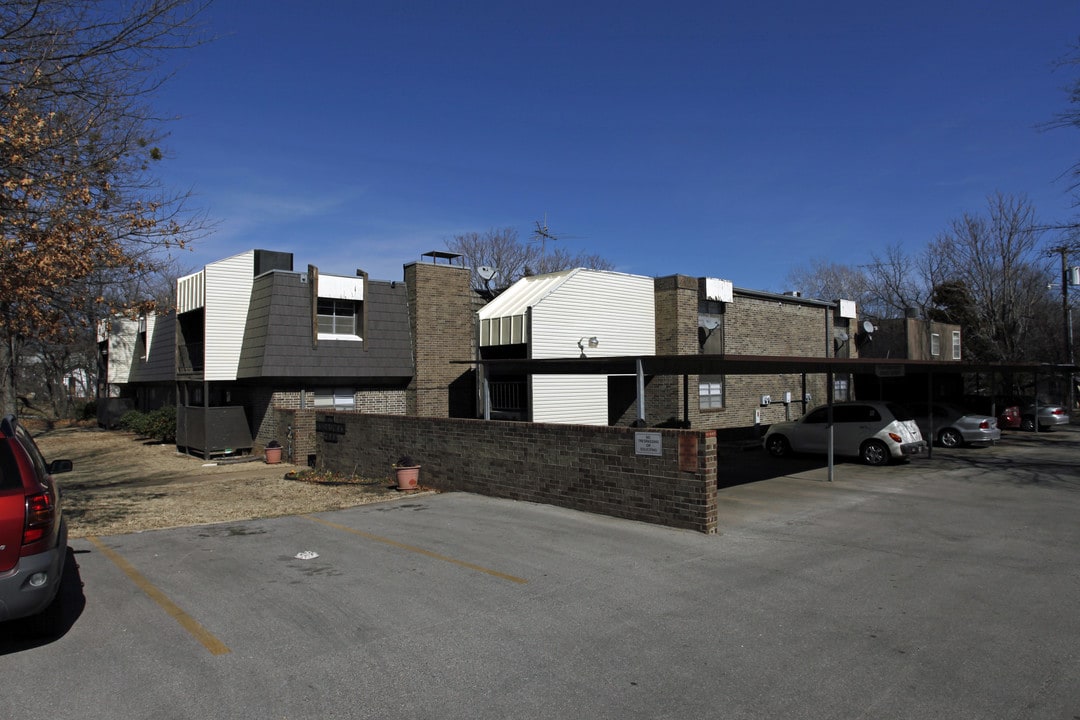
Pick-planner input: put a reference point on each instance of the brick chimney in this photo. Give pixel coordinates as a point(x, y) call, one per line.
point(442, 321)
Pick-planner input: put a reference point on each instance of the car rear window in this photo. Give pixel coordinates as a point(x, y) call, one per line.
point(9, 468)
point(899, 412)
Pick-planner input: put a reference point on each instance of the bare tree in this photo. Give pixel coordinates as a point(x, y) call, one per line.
point(986, 272)
point(1070, 117)
point(836, 281)
point(996, 257)
point(79, 205)
point(502, 250)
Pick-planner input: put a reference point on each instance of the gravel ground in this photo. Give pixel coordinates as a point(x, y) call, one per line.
point(123, 484)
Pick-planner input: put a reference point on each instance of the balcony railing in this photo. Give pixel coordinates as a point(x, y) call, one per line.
point(507, 395)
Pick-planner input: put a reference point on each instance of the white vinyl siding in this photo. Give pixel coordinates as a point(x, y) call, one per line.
point(228, 295)
point(148, 322)
point(122, 336)
point(191, 292)
point(576, 399)
point(616, 309)
point(503, 321)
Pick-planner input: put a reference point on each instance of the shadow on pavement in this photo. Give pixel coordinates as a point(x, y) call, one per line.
point(739, 467)
point(55, 621)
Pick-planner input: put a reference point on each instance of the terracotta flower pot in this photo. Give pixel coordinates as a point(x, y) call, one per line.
point(407, 477)
point(273, 455)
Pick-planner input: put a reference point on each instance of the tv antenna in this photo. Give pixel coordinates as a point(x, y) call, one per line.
point(542, 234)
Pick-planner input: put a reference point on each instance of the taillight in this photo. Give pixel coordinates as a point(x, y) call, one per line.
point(1059, 411)
point(896, 438)
point(40, 512)
point(984, 425)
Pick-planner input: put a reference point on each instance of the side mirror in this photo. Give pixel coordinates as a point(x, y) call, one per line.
point(59, 466)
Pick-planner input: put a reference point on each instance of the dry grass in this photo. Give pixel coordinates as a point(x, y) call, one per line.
point(124, 484)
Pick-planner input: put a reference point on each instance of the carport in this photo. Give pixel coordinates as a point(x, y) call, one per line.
point(687, 365)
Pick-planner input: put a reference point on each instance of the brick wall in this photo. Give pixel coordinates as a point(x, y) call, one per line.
point(272, 426)
point(442, 323)
point(589, 468)
point(767, 326)
point(676, 304)
point(751, 325)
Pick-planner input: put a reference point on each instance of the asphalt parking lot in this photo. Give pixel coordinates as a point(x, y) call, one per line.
point(944, 588)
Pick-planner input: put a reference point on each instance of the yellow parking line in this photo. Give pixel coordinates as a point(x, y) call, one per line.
point(421, 551)
point(211, 643)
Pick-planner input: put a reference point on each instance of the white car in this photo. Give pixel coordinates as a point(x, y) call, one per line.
point(875, 432)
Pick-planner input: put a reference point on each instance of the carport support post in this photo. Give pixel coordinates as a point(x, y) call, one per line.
point(487, 399)
point(1035, 393)
point(829, 417)
point(930, 411)
point(640, 394)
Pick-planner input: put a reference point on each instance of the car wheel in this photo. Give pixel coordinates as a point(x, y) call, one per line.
point(874, 452)
point(1027, 423)
point(950, 438)
point(778, 446)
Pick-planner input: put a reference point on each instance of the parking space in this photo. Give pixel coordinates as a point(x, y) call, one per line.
point(941, 588)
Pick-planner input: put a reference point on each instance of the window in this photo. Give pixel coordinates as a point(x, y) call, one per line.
point(711, 392)
point(841, 389)
point(338, 318)
point(855, 414)
point(336, 399)
point(956, 345)
point(935, 344)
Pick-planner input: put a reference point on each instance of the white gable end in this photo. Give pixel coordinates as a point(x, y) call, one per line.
point(228, 295)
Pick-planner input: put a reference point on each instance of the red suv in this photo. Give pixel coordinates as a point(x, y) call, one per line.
point(33, 534)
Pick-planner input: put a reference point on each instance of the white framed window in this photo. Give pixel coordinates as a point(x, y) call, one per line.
point(956, 345)
point(935, 344)
point(711, 392)
point(841, 389)
point(335, 399)
point(338, 319)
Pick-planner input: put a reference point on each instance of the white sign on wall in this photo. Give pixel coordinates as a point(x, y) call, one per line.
point(648, 443)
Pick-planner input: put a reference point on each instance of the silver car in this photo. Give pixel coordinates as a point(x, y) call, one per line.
point(952, 426)
point(875, 432)
point(1050, 415)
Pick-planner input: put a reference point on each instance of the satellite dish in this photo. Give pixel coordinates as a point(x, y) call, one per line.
point(487, 272)
point(841, 335)
point(868, 327)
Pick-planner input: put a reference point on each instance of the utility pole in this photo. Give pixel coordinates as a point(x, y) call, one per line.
point(1066, 319)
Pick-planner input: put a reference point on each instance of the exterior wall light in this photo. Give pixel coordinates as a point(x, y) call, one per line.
point(592, 342)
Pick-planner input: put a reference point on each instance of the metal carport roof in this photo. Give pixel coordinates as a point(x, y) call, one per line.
point(748, 365)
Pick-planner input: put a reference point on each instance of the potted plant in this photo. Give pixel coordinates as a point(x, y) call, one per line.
point(407, 472)
point(273, 452)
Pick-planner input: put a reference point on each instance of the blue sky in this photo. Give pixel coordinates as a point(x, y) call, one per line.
point(733, 140)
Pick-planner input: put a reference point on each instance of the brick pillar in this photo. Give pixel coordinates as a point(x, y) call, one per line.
point(442, 321)
point(676, 299)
